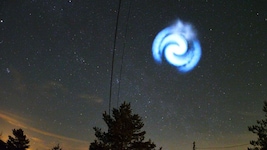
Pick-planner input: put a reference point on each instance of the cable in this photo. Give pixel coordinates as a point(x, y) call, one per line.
point(122, 55)
point(113, 56)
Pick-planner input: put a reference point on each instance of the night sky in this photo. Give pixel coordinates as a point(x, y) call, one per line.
point(56, 63)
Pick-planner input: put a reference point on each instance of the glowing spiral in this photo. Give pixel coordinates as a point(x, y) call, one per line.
point(179, 45)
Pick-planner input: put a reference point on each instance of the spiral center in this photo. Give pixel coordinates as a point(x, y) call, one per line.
point(180, 47)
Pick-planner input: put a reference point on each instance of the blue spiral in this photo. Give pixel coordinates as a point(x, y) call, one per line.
point(178, 45)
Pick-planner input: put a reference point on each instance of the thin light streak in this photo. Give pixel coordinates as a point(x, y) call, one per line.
point(223, 147)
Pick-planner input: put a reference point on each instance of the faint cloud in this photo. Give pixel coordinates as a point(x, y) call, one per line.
point(52, 85)
point(19, 122)
point(249, 114)
point(90, 98)
point(11, 119)
point(35, 139)
point(52, 88)
point(55, 135)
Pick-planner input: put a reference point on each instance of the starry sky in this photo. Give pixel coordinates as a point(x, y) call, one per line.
point(56, 62)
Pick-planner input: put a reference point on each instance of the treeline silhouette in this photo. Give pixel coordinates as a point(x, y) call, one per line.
point(125, 133)
point(19, 141)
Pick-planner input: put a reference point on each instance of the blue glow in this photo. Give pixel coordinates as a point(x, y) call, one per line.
point(179, 45)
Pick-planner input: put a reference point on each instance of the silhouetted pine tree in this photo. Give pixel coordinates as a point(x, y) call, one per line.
point(124, 132)
point(18, 142)
point(57, 147)
point(2, 145)
point(261, 130)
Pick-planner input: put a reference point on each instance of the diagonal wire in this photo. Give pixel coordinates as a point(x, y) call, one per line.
point(122, 56)
point(113, 56)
